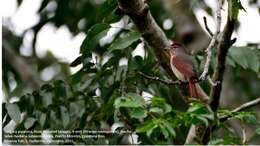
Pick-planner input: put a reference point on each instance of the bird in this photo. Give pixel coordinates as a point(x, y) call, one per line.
point(184, 69)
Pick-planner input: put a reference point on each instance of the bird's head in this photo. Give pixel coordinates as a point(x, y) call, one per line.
point(176, 47)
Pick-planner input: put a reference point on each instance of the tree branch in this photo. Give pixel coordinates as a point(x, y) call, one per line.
point(213, 41)
point(207, 27)
point(167, 82)
point(247, 105)
point(223, 45)
point(151, 32)
point(138, 11)
point(222, 48)
point(19, 64)
point(242, 107)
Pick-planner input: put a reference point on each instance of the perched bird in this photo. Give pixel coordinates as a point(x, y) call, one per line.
point(183, 67)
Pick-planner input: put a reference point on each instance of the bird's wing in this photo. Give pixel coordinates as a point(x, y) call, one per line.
point(184, 65)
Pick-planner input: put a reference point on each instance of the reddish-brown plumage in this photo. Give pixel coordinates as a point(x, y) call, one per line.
point(183, 68)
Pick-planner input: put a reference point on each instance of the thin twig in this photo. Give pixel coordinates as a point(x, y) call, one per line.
point(167, 82)
point(207, 27)
point(247, 105)
point(218, 75)
point(222, 44)
point(242, 107)
point(211, 82)
point(213, 41)
point(222, 119)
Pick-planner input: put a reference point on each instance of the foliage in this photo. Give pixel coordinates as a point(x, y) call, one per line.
point(246, 57)
point(108, 90)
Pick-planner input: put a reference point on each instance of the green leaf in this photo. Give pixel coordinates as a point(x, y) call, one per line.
point(233, 8)
point(29, 122)
point(126, 102)
point(124, 41)
point(203, 120)
point(224, 113)
point(150, 131)
point(158, 102)
point(164, 131)
point(149, 125)
point(46, 98)
point(195, 107)
point(170, 129)
point(107, 7)
point(42, 119)
point(247, 117)
point(64, 116)
point(131, 100)
point(94, 34)
point(257, 131)
point(216, 141)
point(77, 108)
point(230, 61)
point(226, 140)
point(14, 112)
point(156, 110)
point(138, 113)
point(167, 108)
point(246, 57)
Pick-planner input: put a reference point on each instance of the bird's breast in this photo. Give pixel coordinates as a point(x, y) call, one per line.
point(177, 73)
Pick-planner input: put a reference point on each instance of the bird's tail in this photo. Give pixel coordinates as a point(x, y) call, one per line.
point(197, 92)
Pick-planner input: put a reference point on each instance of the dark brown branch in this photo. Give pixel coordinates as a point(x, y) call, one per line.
point(138, 11)
point(197, 132)
point(222, 49)
point(207, 27)
point(224, 44)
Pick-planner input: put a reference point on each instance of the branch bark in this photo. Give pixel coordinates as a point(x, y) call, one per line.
point(156, 39)
point(207, 27)
point(224, 43)
point(213, 41)
point(222, 48)
point(242, 107)
point(139, 12)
